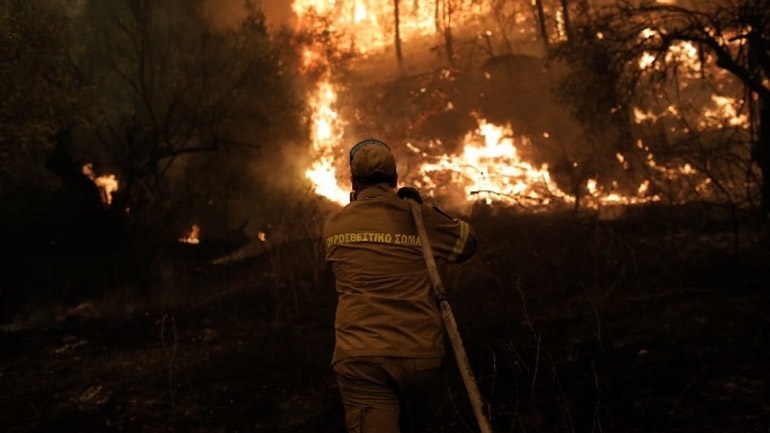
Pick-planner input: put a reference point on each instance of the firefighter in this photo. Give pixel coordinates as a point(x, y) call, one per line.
point(388, 328)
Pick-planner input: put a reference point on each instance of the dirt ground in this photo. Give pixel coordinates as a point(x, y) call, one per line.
point(654, 322)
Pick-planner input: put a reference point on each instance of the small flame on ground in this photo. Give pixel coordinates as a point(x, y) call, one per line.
point(193, 236)
point(490, 169)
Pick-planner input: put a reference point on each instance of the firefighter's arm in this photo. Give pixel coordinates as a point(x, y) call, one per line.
point(452, 239)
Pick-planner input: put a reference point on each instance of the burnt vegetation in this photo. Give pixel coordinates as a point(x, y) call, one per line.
point(582, 316)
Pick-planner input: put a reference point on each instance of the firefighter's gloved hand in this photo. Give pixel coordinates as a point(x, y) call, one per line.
point(410, 193)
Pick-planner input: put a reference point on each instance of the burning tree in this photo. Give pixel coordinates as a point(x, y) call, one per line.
point(662, 63)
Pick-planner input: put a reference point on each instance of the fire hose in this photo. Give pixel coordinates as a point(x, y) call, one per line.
point(450, 324)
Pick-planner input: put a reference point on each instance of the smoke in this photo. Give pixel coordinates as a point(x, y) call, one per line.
point(229, 13)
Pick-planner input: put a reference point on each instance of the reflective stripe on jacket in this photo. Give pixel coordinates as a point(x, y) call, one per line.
point(385, 305)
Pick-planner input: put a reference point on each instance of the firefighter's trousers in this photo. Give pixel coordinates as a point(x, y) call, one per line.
point(388, 394)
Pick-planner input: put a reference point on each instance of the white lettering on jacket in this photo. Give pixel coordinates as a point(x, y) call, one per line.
point(380, 238)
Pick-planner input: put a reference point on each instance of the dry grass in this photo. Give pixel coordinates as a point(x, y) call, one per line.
point(649, 323)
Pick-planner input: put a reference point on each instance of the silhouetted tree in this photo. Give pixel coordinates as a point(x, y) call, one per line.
point(47, 205)
point(542, 23)
point(607, 78)
point(567, 20)
point(172, 88)
point(38, 89)
point(444, 16)
point(397, 38)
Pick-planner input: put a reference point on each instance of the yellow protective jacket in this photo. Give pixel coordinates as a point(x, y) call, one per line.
point(385, 306)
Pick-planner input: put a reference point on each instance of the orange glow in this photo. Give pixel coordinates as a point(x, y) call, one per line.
point(193, 236)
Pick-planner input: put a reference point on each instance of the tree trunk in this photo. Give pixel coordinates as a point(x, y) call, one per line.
point(397, 21)
point(567, 24)
point(444, 24)
point(761, 153)
point(541, 20)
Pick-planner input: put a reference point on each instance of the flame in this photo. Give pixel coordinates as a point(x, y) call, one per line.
point(326, 133)
point(370, 24)
point(488, 166)
point(490, 169)
point(726, 112)
point(646, 61)
point(192, 236)
point(107, 184)
point(561, 26)
point(600, 198)
point(684, 53)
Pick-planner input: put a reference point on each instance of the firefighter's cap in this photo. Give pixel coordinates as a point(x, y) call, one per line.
point(372, 160)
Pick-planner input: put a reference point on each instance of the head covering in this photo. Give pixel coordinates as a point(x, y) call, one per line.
point(372, 161)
